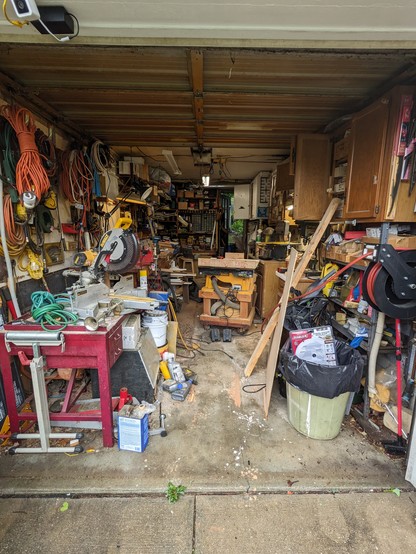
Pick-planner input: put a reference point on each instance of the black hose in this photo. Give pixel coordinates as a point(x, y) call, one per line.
point(222, 296)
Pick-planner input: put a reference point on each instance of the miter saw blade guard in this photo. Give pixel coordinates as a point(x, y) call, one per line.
point(119, 251)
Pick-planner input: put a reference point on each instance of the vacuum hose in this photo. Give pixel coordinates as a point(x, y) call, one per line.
point(374, 353)
point(223, 298)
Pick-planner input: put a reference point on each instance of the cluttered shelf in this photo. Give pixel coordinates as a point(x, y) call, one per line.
point(352, 310)
point(361, 267)
point(349, 335)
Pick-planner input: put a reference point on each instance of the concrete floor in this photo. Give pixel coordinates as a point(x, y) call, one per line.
point(198, 524)
point(251, 483)
point(217, 441)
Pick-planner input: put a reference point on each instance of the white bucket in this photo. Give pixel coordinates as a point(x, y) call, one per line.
point(157, 322)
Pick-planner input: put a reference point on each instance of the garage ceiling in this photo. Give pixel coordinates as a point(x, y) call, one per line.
point(179, 97)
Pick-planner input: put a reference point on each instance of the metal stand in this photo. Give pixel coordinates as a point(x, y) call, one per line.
point(37, 367)
point(160, 430)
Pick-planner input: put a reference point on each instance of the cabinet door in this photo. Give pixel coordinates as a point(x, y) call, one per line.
point(368, 139)
point(313, 158)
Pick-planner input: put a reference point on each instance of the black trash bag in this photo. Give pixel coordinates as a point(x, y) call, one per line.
point(305, 314)
point(320, 380)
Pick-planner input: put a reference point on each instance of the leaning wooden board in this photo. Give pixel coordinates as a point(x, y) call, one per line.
point(275, 345)
point(261, 345)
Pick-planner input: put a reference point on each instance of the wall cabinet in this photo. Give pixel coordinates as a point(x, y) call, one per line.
point(313, 159)
point(373, 163)
point(365, 177)
point(281, 183)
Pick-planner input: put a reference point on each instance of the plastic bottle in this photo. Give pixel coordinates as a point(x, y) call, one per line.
point(176, 371)
point(143, 278)
point(182, 391)
point(164, 370)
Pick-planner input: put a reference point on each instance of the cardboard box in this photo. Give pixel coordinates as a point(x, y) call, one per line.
point(133, 433)
point(182, 205)
point(318, 345)
point(189, 194)
point(398, 241)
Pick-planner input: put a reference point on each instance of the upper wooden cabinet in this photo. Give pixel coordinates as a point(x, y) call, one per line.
point(281, 181)
point(313, 160)
point(365, 179)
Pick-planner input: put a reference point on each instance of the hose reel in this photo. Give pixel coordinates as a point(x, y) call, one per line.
point(389, 285)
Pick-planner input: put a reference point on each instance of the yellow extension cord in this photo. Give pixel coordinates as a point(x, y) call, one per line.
point(34, 265)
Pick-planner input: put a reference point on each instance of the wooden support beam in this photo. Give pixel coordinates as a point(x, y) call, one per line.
point(310, 249)
point(196, 77)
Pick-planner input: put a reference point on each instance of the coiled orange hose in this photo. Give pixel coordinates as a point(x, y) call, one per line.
point(16, 239)
point(30, 173)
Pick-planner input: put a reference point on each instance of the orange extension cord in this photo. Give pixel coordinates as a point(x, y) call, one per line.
point(30, 173)
point(77, 179)
point(16, 239)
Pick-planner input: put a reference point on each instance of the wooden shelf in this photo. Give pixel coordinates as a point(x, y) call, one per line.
point(354, 266)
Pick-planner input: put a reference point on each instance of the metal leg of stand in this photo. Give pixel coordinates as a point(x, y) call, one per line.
point(37, 365)
point(160, 430)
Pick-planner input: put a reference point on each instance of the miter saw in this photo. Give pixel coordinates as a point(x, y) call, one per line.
point(118, 253)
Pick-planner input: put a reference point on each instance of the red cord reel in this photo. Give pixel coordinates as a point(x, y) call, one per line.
point(389, 285)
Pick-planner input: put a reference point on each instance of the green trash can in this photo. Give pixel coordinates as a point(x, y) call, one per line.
point(313, 416)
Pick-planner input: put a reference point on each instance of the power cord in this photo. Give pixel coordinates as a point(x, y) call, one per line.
point(63, 39)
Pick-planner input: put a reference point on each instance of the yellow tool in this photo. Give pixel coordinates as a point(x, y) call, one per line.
point(229, 280)
point(325, 270)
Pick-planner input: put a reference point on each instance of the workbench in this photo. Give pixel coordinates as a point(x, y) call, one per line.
point(178, 278)
point(82, 350)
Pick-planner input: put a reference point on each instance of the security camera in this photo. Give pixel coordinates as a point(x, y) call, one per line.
point(26, 9)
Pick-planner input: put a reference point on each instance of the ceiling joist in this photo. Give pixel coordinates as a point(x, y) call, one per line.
point(196, 76)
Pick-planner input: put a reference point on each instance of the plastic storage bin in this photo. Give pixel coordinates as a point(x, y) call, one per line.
point(314, 416)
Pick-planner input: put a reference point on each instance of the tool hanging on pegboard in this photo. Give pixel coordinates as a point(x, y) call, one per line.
point(389, 285)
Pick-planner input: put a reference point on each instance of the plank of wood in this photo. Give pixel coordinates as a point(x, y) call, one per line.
point(227, 263)
point(268, 331)
point(316, 239)
point(275, 344)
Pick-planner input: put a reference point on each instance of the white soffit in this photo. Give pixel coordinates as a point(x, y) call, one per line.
point(242, 20)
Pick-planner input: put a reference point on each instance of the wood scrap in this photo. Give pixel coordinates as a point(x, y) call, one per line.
point(307, 255)
point(275, 345)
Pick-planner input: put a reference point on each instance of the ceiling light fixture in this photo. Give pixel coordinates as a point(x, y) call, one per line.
point(205, 180)
point(172, 162)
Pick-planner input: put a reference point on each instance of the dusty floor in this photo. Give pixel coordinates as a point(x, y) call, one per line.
point(252, 485)
point(217, 441)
